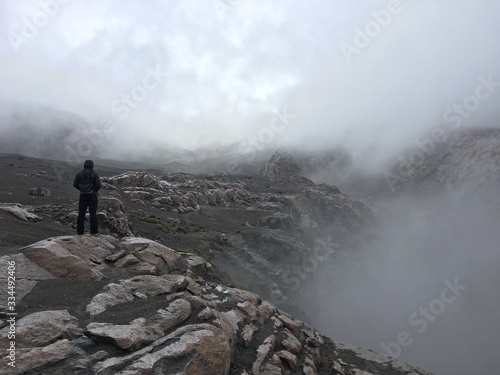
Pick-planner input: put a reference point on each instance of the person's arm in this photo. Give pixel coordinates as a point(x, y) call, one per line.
point(97, 182)
point(76, 182)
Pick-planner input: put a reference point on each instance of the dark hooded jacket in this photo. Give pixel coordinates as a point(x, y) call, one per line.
point(88, 167)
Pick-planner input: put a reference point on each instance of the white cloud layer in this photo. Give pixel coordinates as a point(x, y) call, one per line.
point(228, 66)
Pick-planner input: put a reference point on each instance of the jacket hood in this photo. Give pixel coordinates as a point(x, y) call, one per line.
point(89, 164)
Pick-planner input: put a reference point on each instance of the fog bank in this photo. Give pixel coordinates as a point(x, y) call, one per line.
point(425, 291)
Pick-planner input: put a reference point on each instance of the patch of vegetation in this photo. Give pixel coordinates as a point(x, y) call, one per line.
point(152, 219)
point(214, 242)
point(188, 228)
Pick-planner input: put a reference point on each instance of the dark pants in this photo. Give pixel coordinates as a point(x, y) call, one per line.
point(90, 201)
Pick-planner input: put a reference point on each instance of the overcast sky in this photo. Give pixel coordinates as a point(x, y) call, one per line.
point(199, 72)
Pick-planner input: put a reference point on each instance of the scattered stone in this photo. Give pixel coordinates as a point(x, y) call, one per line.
point(40, 192)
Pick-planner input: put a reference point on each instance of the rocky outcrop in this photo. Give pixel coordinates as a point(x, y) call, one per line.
point(316, 207)
point(466, 159)
point(78, 257)
point(137, 179)
point(287, 214)
point(192, 349)
point(139, 287)
point(306, 226)
point(180, 194)
point(173, 322)
point(112, 215)
point(41, 328)
point(19, 211)
point(323, 208)
point(28, 274)
point(281, 166)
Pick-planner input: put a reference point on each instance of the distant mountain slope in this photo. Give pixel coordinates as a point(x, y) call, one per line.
point(51, 133)
point(38, 131)
point(468, 159)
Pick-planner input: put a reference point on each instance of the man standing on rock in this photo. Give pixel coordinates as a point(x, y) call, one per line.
point(88, 182)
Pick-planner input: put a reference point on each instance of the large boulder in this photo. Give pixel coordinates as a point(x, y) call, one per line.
point(34, 359)
point(165, 259)
point(21, 212)
point(27, 274)
point(60, 262)
point(113, 216)
point(129, 337)
point(40, 328)
point(78, 257)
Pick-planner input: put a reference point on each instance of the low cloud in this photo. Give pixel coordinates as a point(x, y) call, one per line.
point(226, 77)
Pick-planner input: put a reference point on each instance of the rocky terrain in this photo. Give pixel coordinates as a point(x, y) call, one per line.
point(127, 302)
point(100, 305)
point(205, 272)
point(259, 230)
